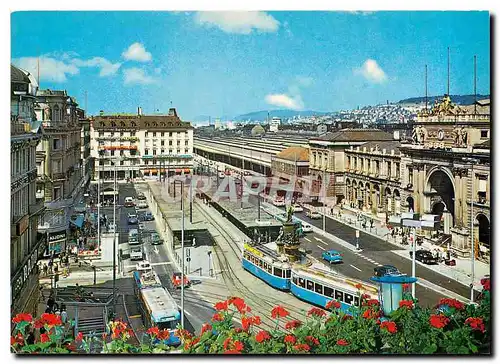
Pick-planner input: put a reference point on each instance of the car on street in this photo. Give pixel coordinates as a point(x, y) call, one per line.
point(140, 196)
point(424, 256)
point(279, 202)
point(332, 256)
point(132, 219)
point(222, 175)
point(148, 216)
point(386, 270)
point(313, 214)
point(136, 253)
point(129, 202)
point(297, 208)
point(155, 239)
point(177, 279)
point(112, 228)
point(307, 228)
point(142, 204)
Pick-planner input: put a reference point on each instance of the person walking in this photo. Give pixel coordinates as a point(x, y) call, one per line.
point(64, 314)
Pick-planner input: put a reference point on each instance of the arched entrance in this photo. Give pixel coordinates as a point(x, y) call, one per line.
point(361, 195)
point(411, 204)
point(388, 201)
point(397, 202)
point(441, 191)
point(483, 230)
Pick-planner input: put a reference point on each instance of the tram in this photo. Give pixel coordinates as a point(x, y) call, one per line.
point(267, 265)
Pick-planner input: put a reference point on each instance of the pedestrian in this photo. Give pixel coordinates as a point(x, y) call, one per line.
point(371, 223)
point(45, 269)
point(331, 211)
point(64, 314)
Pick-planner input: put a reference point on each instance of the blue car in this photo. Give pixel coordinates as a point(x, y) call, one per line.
point(332, 256)
point(148, 216)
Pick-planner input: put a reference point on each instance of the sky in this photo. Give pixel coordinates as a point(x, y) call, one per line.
point(230, 63)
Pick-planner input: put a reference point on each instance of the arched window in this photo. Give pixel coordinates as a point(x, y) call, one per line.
point(113, 124)
point(133, 124)
point(122, 124)
point(56, 113)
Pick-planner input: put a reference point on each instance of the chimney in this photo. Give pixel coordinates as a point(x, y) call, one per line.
point(139, 111)
point(172, 111)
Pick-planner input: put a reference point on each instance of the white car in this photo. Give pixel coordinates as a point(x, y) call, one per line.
point(279, 203)
point(136, 253)
point(313, 214)
point(142, 204)
point(306, 228)
point(297, 208)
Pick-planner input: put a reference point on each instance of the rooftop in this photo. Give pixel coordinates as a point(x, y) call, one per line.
point(298, 154)
point(381, 145)
point(356, 135)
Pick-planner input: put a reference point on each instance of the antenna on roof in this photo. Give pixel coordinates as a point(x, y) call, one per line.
point(85, 103)
point(426, 89)
point(38, 71)
point(448, 92)
point(475, 91)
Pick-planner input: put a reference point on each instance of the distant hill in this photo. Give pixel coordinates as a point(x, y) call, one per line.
point(283, 114)
point(458, 99)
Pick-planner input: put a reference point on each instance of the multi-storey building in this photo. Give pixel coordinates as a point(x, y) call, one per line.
point(327, 160)
point(86, 160)
point(59, 171)
point(141, 145)
point(25, 243)
point(446, 169)
point(373, 177)
point(291, 165)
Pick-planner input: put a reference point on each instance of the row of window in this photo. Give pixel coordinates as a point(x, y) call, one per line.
point(22, 160)
point(186, 143)
point(170, 151)
point(282, 273)
point(134, 162)
point(327, 291)
point(132, 133)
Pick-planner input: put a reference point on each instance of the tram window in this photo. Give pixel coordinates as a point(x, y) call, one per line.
point(328, 292)
point(310, 285)
point(260, 263)
point(356, 301)
point(339, 295)
point(302, 282)
point(270, 268)
point(245, 255)
point(278, 272)
point(288, 273)
point(295, 280)
point(348, 298)
point(318, 288)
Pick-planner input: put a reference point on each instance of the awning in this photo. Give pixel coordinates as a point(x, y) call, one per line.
point(78, 222)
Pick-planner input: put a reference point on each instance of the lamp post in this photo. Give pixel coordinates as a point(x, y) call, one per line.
point(114, 239)
point(183, 259)
point(99, 202)
point(472, 162)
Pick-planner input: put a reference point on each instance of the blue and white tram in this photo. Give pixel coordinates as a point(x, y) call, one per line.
point(159, 309)
point(319, 286)
point(265, 264)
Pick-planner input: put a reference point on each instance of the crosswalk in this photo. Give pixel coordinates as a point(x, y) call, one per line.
point(368, 259)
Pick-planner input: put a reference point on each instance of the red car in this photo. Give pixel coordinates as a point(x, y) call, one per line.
point(176, 280)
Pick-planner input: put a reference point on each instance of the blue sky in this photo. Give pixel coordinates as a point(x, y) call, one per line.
point(232, 63)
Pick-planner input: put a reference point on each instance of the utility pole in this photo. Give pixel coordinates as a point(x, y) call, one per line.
point(114, 241)
point(99, 202)
point(475, 91)
point(472, 271)
point(191, 200)
point(183, 259)
point(448, 92)
point(426, 89)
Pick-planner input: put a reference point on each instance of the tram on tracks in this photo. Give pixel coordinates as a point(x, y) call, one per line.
point(267, 265)
point(158, 307)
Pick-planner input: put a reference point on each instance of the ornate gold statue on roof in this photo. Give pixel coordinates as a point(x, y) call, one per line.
point(445, 107)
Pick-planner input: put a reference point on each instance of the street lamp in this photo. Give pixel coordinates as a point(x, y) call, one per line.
point(412, 220)
point(182, 248)
point(472, 161)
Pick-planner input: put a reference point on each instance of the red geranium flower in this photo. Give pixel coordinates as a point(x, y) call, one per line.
point(261, 336)
point(451, 302)
point(476, 323)
point(163, 334)
point(238, 330)
point(153, 331)
point(256, 320)
point(370, 314)
point(316, 312)
point(389, 326)
point(22, 317)
point(312, 340)
point(79, 337)
point(50, 319)
point(292, 324)
point(485, 282)
point(232, 352)
point(406, 303)
point(246, 323)
point(302, 347)
point(290, 339)
point(217, 317)
point(221, 306)
point(279, 311)
point(347, 317)
point(238, 345)
point(240, 305)
point(438, 321)
point(226, 343)
point(332, 303)
point(205, 327)
point(359, 285)
point(18, 339)
point(342, 342)
point(372, 302)
point(406, 286)
point(44, 338)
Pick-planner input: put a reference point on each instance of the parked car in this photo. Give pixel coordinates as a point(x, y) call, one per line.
point(306, 228)
point(132, 219)
point(148, 216)
point(129, 202)
point(297, 208)
point(142, 204)
point(424, 256)
point(386, 270)
point(313, 214)
point(332, 256)
point(140, 196)
point(136, 253)
point(177, 279)
point(279, 202)
point(155, 239)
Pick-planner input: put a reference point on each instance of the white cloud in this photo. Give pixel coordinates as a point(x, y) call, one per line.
point(106, 67)
point(241, 22)
point(372, 71)
point(283, 100)
point(51, 69)
point(137, 52)
point(364, 13)
point(137, 76)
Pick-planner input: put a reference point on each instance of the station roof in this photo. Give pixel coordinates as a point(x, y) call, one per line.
point(356, 135)
point(298, 154)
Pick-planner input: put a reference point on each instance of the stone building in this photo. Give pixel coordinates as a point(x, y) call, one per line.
point(327, 160)
point(58, 158)
point(26, 244)
point(292, 166)
point(446, 167)
point(372, 179)
point(141, 145)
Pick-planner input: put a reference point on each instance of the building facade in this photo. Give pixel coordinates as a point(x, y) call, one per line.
point(141, 145)
point(58, 160)
point(327, 161)
point(86, 160)
point(373, 178)
point(446, 171)
point(25, 244)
